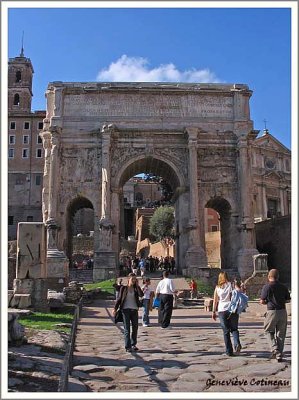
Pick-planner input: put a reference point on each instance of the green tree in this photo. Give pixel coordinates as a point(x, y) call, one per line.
point(162, 223)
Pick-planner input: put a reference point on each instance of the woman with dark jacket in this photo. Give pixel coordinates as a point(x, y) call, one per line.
point(128, 301)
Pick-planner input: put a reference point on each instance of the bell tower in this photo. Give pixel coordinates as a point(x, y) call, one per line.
point(20, 72)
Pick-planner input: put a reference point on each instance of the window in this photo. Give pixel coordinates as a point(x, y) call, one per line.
point(40, 125)
point(272, 208)
point(38, 180)
point(39, 140)
point(38, 153)
point(11, 153)
point(25, 153)
point(214, 228)
point(287, 163)
point(12, 139)
point(18, 76)
point(12, 125)
point(20, 180)
point(10, 220)
point(16, 100)
point(25, 139)
point(26, 125)
point(29, 218)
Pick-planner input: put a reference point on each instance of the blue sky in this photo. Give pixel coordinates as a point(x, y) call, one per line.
point(231, 45)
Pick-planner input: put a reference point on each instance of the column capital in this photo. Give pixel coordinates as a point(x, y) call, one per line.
point(192, 133)
point(55, 130)
point(108, 128)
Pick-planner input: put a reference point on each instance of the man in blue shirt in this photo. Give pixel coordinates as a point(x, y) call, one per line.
point(275, 295)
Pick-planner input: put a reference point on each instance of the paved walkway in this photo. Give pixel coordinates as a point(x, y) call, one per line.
point(189, 357)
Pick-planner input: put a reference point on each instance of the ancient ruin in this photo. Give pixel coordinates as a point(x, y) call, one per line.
point(198, 137)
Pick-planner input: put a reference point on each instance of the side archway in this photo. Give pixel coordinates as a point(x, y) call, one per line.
point(73, 207)
point(223, 208)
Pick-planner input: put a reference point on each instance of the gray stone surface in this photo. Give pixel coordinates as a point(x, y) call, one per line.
point(183, 359)
point(36, 366)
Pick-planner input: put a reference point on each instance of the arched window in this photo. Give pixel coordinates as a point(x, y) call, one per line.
point(18, 76)
point(16, 101)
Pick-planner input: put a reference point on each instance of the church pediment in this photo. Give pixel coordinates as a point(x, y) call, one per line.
point(273, 175)
point(267, 141)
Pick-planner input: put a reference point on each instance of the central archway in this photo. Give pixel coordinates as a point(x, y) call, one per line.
point(174, 178)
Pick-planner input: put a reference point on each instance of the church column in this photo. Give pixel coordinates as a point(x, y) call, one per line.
point(264, 200)
point(282, 202)
point(195, 257)
point(247, 250)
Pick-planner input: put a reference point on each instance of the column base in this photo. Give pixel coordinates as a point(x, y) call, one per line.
point(57, 264)
point(245, 262)
point(104, 266)
point(196, 259)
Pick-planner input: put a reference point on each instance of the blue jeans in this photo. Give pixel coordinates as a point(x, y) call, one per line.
point(229, 324)
point(130, 316)
point(145, 314)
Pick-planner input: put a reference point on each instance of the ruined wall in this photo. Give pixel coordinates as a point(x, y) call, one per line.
point(274, 238)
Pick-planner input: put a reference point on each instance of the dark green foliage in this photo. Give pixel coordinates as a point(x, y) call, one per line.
point(162, 223)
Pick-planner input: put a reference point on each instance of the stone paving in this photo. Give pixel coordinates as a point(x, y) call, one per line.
point(189, 357)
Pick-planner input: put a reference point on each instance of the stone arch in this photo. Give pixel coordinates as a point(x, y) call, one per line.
point(223, 208)
point(171, 174)
point(73, 206)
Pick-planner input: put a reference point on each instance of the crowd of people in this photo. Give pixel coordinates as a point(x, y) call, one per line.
point(141, 265)
point(230, 300)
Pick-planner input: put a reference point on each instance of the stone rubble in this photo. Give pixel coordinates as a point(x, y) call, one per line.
point(36, 366)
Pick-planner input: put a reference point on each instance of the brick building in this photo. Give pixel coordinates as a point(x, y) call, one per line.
point(25, 149)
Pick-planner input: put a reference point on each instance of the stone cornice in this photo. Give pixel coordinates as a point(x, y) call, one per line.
point(158, 87)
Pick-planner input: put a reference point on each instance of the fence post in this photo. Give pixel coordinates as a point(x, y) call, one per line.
point(68, 358)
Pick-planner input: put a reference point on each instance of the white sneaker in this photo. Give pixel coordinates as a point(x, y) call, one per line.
point(145, 325)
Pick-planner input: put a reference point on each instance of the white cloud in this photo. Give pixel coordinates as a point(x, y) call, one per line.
point(136, 69)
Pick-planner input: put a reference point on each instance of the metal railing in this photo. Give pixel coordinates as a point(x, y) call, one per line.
point(68, 358)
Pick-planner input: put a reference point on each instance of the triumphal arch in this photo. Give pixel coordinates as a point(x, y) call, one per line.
point(196, 136)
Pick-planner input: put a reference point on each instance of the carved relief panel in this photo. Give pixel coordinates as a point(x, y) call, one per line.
point(217, 165)
point(80, 165)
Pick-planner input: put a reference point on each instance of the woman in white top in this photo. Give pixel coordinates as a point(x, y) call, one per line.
point(222, 297)
point(147, 300)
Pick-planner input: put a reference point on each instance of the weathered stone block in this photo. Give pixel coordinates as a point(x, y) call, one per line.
point(31, 250)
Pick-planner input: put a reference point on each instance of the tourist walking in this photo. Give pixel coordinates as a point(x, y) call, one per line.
point(193, 289)
point(147, 301)
point(128, 301)
point(222, 299)
point(165, 291)
point(275, 295)
point(238, 304)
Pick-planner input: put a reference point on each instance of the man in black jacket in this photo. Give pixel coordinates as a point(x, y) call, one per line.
point(275, 295)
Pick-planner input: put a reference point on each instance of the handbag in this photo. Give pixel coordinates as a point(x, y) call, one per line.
point(156, 303)
point(118, 316)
